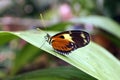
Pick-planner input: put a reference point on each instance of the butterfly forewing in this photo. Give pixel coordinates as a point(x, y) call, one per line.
point(67, 41)
point(80, 38)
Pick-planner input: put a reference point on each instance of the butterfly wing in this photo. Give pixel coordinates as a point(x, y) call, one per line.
point(80, 38)
point(62, 46)
point(68, 41)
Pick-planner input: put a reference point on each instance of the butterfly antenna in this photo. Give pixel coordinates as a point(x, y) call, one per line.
point(43, 23)
point(42, 20)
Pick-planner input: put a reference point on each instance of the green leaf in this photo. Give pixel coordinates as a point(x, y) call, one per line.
point(92, 59)
point(4, 38)
point(59, 73)
point(100, 22)
point(27, 54)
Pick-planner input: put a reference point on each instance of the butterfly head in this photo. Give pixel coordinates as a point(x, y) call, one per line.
point(48, 38)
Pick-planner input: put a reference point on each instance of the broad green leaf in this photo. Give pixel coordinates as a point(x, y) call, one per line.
point(100, 22)
point(27, 54)
point(59, 73)
point(4, 38)
point(92, 59)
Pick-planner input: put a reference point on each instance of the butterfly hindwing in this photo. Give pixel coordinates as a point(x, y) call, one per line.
point(68, 41)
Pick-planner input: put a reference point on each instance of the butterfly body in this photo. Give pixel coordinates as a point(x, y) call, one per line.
point(67, 41)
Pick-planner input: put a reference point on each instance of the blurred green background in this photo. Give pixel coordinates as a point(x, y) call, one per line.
point(101, 18)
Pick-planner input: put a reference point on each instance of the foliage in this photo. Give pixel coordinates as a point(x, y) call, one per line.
point(92, 59)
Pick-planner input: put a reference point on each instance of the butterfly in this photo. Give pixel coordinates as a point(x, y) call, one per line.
point(68, 41)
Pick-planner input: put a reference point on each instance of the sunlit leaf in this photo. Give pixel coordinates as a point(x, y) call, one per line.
point(92, 59)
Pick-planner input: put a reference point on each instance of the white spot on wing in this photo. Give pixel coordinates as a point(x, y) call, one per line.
point(82, 35)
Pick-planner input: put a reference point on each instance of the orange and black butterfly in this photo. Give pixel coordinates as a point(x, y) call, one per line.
point(67, 41)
